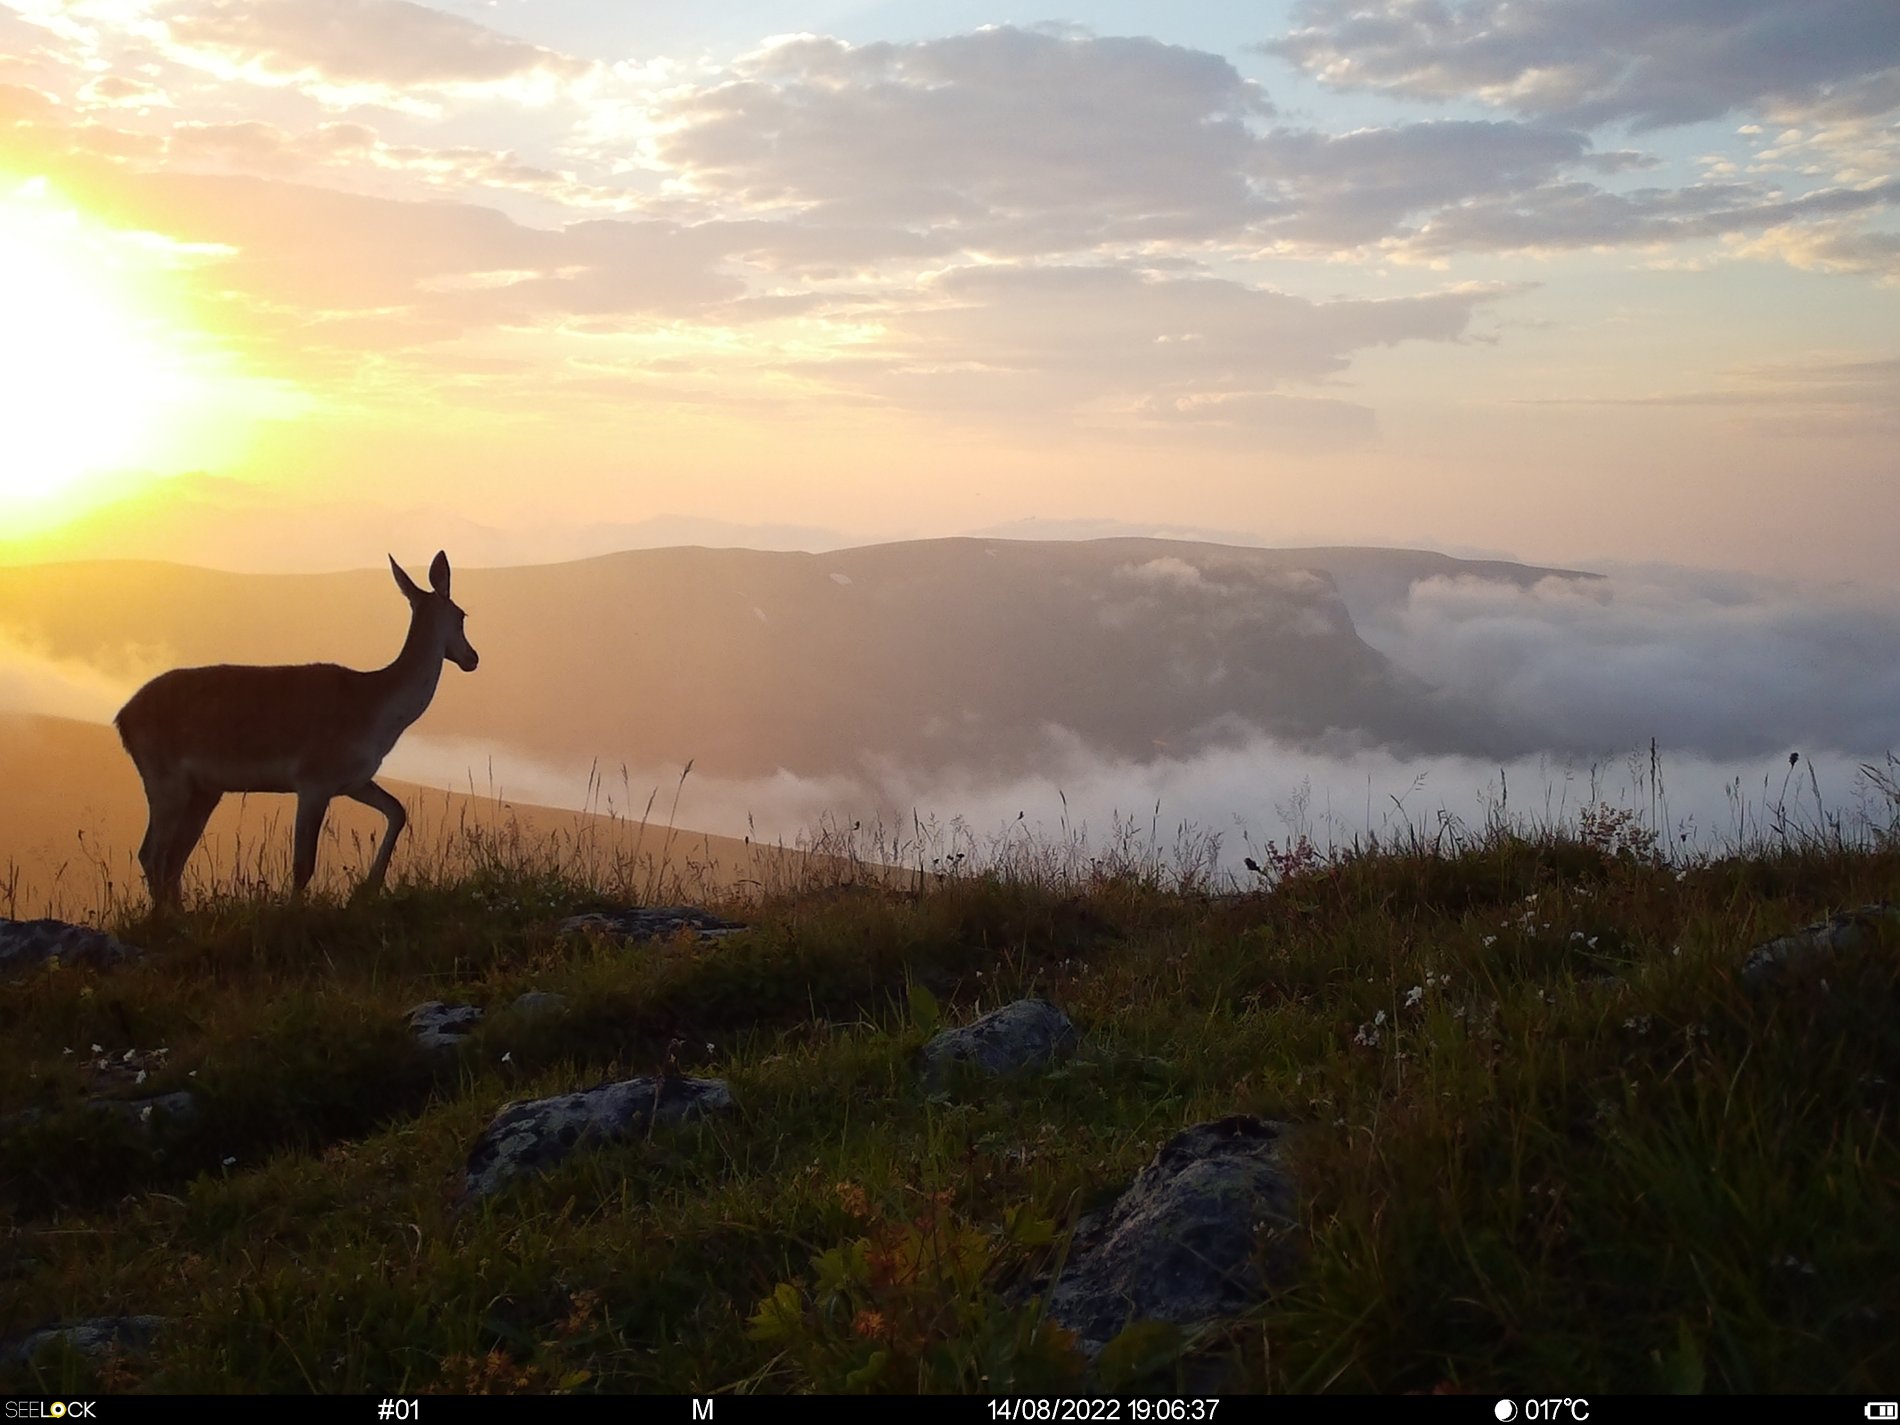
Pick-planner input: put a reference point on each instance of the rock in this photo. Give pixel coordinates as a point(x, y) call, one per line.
point(25, 945)
point(1017, 1036)
point(180, 1107)
point(536, 1002)
point(653, 922)
point(534, 1135)
point(1844, 933)
point(443, 1026)
point(97, 1337)
point(1182, 1244)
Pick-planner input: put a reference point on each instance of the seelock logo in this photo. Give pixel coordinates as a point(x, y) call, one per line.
point(52, 1410)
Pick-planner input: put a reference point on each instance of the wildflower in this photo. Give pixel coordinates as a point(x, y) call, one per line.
point(1490, 940)
point(229, 1161)
point(1414, 995)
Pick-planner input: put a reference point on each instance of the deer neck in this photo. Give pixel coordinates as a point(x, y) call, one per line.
point(409, 683)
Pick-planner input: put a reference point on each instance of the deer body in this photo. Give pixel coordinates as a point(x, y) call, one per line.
point(315, 729)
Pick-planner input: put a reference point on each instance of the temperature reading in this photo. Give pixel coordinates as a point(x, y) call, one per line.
point(1551, 1410)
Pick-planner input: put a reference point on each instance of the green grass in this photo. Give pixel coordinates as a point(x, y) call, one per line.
point(1522, 1173)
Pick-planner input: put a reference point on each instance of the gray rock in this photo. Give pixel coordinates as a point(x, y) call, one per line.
point(1183, 1243)
point(652, 922)
point(1845, 933)
point(534, 1135)
point(536, 1002)
point(97, 1337)
point(1017, 1036)
point(25, 945)
point(443, 1026)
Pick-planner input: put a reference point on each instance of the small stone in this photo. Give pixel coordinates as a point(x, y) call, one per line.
point(179, 1107)
point(443, 1026)
point(536, 1002)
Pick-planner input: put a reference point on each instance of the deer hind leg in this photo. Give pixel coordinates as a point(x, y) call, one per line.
point(188, 824)
point(168, 800)
point(310, 810)
point(371, 795)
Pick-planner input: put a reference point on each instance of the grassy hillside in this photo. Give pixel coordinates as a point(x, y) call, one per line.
point(1544, 1133)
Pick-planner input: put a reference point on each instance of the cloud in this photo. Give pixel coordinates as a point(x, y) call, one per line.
point(1649, 63)
point(1245, 793)
point(1712, 665)
point(1578, 214)
point(1346, 189)
point(387, 45)
point(34, 681)
point(1790, 398)
point(319, 275)
point(1005, 138)
point(1116, 346)
point(1728, 672)
point(1833, 247)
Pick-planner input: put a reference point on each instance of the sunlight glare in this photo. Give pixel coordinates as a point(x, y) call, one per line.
point(89, 377)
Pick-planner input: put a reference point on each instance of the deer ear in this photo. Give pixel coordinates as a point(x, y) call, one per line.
point(403, 581)
point(439, 573)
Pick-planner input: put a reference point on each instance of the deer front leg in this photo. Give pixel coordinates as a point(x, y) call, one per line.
point(371, 795)
point(310, 810)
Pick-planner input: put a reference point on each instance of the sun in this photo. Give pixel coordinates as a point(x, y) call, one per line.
point(91, 377)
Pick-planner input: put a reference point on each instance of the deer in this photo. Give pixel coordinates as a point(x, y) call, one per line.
point(315, 729)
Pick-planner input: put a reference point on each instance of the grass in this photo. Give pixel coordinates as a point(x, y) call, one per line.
point(1544, 1133)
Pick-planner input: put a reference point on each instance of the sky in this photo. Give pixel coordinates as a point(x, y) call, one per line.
point(1575, 281)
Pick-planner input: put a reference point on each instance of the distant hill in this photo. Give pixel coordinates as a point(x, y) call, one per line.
point(931, 655)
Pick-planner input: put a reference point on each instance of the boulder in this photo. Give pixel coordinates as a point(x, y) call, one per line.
point(96, 1337)
point(1027, 1033)
point(1183, 1243)
point(533, 1135)
point(25, 945)
point(652, 922)
point(1850, 931)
